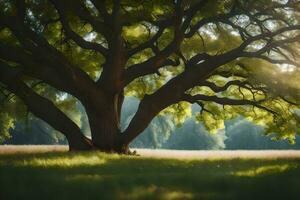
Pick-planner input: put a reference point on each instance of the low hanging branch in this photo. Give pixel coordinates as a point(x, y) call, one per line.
point(226, 101)
point(42, 107)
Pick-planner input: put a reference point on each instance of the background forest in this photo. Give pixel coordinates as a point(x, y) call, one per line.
point(168, 132)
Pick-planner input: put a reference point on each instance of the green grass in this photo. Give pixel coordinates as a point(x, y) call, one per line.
point(64, 175)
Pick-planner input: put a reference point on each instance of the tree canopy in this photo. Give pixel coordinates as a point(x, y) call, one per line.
point(231, 57)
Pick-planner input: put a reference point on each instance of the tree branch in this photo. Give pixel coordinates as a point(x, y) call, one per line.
point(100, 6)
point(74, 36)
point(42, 107)
point(225, 101)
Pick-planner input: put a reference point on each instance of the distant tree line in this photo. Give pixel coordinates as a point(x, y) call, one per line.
point(163, 133)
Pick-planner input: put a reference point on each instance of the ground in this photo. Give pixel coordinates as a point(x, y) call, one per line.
point(52, 173)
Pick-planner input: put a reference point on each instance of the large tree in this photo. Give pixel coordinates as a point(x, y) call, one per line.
point(231, 57)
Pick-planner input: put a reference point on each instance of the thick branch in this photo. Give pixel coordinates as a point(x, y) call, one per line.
point(42, 107)
point(172, 92)
point(42, 60)
point(34, 67)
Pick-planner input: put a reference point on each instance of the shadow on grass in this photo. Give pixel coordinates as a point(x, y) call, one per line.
point(102, 176)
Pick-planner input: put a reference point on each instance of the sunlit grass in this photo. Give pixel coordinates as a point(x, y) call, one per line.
point(64, 162)
point(162, 193)
point(269, 169)
point(65, 175)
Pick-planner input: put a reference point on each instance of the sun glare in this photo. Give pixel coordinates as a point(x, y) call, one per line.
point(286, 68)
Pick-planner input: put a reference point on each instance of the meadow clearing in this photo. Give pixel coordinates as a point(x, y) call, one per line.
point(50, 172)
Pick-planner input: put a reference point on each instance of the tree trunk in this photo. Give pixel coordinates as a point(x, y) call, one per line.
point(104, 123)
point(79, 143)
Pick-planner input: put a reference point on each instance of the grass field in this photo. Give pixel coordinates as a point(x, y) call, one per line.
point(35, 173)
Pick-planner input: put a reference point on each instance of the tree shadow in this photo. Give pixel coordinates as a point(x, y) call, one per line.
point(102, 176)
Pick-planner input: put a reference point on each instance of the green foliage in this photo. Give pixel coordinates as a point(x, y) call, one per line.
point(11, 110)
point(213, 121)
point(178, 112)
point(242, 134)
point(34, 131)
point(6, 123)
point(258, 73)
